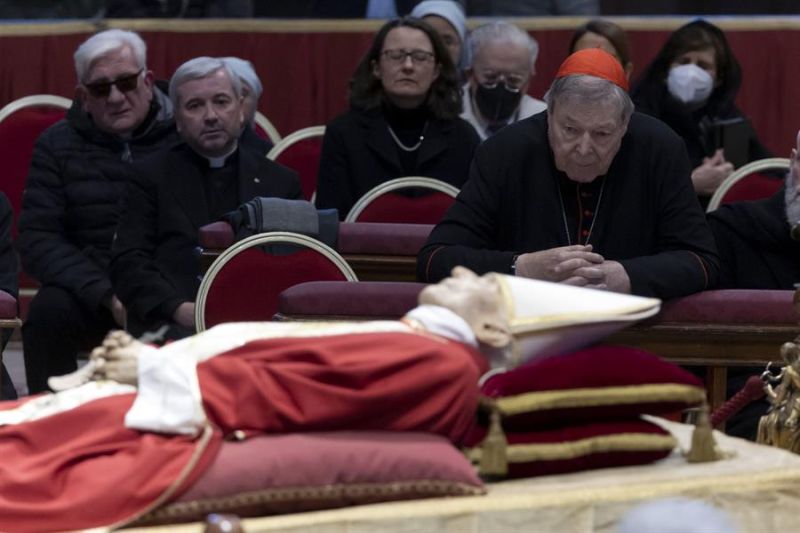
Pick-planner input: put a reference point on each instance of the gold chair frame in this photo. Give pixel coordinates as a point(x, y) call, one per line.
point(264, 123)
point(292, 138)
point(34, 100)
point(740, 173)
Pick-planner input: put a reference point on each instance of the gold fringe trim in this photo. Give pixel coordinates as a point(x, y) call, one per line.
point(290, 495)
point(620, 442)
point(601, 396)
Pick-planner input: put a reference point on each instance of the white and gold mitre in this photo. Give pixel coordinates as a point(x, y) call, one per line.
point(548, 318)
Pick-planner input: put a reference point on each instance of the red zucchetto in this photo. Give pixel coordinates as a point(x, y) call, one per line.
point(594, 62)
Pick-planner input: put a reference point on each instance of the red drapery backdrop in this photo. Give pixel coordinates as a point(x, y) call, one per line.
point(305, 65)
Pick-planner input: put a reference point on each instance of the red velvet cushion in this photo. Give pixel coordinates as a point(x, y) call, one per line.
point(300, 472)
point(373, 299)
point(303, 158)
point(215, 236)
point(598, 383)
point(370, 238)
point(247, 287)
point(8, 306)
point(732, 306)
point(753, 187)
point(583, 447)
point(394, 207)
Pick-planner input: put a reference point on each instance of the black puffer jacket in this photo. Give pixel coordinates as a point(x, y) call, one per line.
point(70, 204)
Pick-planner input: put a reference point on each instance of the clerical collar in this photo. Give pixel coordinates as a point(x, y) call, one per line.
point(219, 162)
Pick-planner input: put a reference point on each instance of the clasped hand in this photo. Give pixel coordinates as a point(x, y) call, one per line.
point(117, 358)
point(576, 265)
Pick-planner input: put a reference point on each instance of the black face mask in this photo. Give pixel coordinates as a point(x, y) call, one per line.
point(498, 103)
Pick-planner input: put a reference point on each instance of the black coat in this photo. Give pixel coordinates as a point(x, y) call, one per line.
point(756, 250)
point(651, 96)
point(155, 266)
point(358, 153)
point(8, 259)
point(71, 200)
point(648, 218)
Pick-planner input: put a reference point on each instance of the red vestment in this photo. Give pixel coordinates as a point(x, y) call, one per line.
point(83, 468)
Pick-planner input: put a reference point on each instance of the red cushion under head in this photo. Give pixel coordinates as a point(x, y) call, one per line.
point(598, 383)
point(582, 447)
point(300, 472)
point(425, 208)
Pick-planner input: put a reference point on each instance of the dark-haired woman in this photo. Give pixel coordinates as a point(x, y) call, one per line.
point(692, 85)
point(403, 120)
point(607, 36)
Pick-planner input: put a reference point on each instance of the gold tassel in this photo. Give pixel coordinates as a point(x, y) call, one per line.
point(494, 461)
point(704, 448)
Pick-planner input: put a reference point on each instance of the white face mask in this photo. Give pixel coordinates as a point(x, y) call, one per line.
point(690, 84)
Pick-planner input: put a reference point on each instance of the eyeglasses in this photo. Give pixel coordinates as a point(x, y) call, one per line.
point(399, 56)
point(125, 84)
point(512, 82)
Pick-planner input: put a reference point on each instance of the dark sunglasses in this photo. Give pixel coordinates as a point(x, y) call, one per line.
point(125, 84)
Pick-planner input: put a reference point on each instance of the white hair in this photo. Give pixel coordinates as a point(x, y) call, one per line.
point(588, 89)
point(104, 42)
point(246, 73)
point(501, 32)
point(198, 68)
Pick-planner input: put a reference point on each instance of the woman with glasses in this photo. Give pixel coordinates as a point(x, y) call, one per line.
point(403, 119)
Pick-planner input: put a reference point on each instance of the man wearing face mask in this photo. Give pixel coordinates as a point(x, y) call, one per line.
point(503, 59)
point(589, 193)
point(692, 85)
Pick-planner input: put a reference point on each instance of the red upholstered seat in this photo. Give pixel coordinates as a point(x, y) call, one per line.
point(407, 200)
point(748, 183)
point(216, 236)
point(394, 207)
point(753, 187)
point(8, 306)
point(301, 151)
point(244, 282)
point(370, 238)
point(365, 299)
point(731, 306)
point(21, 123)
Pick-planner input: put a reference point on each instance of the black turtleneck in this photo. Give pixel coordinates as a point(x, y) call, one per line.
point(408, 125)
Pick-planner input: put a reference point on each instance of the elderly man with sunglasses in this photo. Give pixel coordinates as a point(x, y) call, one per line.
point(69, 213)
point(503, 60)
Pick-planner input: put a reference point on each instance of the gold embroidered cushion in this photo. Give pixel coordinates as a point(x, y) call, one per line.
point(582, 447)
point(590, 385)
